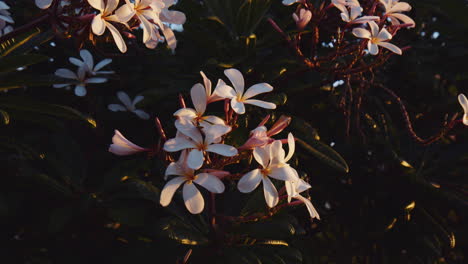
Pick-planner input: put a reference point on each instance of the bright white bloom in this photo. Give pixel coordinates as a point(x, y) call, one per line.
point(237, 95)
point(192, 197)
point(122, 147)
point(87, 63)
point(200, 96)
point(303, 19)
point(273, 164)
point(103, 19)
point(79, 80)
point(43, 4)
point(353, 17)
point(464, 103)
point(393, 9)
point(129, 105)
point(376, 38)
point(294, 189)
point(290, 2)
point(5, 15)
point(198, 145)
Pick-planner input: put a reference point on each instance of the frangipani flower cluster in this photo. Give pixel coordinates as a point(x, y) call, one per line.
point(86, 73)
point(153, 16)
point(204, 154)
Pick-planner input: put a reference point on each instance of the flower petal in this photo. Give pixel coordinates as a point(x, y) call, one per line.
point(170, 38)
point(43, 4)
point(374, 28)
point(391, 47)
point(125, 13)
point(210, 182)
point(270, 192)
point(292, 147)
point(214, 132)
point(66, 73)
point(102, 64)
point(187, 113)
point(193, 198)
point(187, 128)
point(80, 90)
point(98, 26)
point(223, 150)
point(285, 173)
point(169, 189)
point(259, 103)
point(177, 144)
point(373, 48)
point(96, 80)
point(361, 33)
point(237, 106)
point(142, 114)
point(97, 4)
point(76, 62)
point(125, 99)
point(119, 41)
point(206, 84)
point(313, 213)
point(199, 98)
point(137, 99)
point(195, 159)
point(384, 35)
point(122, 146)
point(225, 91)
point(237, 80)
point(262, 156)
point(87, 58)
point(399, 7)
point(405, 19)
point(257, 89)
point(250, 181)
point(116, 107)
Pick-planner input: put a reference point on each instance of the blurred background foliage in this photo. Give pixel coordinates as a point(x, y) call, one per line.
point(65, 199)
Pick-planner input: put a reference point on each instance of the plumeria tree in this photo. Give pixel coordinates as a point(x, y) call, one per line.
point(234, 131)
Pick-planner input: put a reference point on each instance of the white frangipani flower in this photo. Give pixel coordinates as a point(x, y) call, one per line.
point(273, 164)
point(353, 16)
point(122, 147)
point(237, 95)
point(129, 105)
point(200, 96)
point(197, 144)
point(80, 80)
point(464, 103)
point(185, 175)
point(43, 4)
point(103, 19)
point(303, 19)
point(87, 63)
point(294, 188)
point(393, 9)
point(376, 38)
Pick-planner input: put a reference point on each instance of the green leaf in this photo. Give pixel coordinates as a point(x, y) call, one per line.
point(181, 232)
point(52, 184)
point(21, 80)
point(11, 63)
point(9, 45)
point(5, 117)
point(324, 153)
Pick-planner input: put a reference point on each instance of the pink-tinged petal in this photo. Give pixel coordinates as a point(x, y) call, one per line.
point(292, 147)
point(195, 159)
point(177, 144)
point(373, 48)
point(87, 58)
point(257, 89)
point(173, 17)
point(284, 173)
point(290, 190)
point(262, 156)
point(141, 114)
point(365, 19)
point(111, 6)
point(237, 80)
point(214, 132)
point(174, 169)
point(193, 198)
point(170, 38)
point(384, 35)
point(405, 19)
point(43, 4)
point(187, 113)
point(260, 103)
point(210, 182)
point(362, 33)
point(125, 99)
point(277, 153)
point(102, 64)
point(270, 192)
point(374, 28)
point(116, 107)
point(122, 146)
point(80, 90)
point(97, 4)
point(206, 84)
point(345, 16)
point(125, 13)
point(391, 47)
point(223, 150)
point(66, 73)
point(119, 41)
point(279, 125)
point(199, 98)
point(187, 128)
point(211, 120)
point(400, 7)
point(237, 106)
point(98, 25)
point(355, 12)
point(169, 189)
point(224, 91)
point(313, 213)
point(249, 181)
